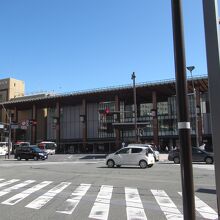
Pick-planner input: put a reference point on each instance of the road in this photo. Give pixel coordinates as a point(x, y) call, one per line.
point(82, 187)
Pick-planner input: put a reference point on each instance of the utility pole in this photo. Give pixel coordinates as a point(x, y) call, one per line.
point(191, 68)
point(183, 113)
point(135, 107)
point(211, 23)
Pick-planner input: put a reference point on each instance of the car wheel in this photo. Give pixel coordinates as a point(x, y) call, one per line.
point(18, 158)
point(209, 160)
point(143, 164)
point(176, 160)
point(35, 158)
point(110, 163)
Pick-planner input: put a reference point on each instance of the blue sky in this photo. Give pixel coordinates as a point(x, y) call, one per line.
point(71, 45)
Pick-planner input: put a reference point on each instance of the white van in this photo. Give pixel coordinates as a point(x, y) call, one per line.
point(4, 148)
point(48, 146)
point(131, 155)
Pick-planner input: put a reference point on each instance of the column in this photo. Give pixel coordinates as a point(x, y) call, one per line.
point(33, 126)
point(117, 131)
point(83, 120)
point(155, 120)
point(199, 119)
point(15, 119)
point(57, 118)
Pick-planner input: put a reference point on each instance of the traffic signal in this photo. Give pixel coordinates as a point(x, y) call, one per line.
point(32, 122)
point(105, 111)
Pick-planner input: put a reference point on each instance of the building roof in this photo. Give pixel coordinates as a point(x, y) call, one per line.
point(162, 88)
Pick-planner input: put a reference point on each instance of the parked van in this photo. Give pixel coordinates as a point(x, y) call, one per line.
point(48, 146)
point(4, 148)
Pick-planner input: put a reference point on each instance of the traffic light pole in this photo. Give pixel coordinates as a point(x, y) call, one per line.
point(183, 113)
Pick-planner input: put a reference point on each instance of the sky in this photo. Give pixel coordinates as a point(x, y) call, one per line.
point(72, 45)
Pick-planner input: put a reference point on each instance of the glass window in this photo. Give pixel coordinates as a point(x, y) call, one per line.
point(136, 150)
point(145, 109)
point(124, 151)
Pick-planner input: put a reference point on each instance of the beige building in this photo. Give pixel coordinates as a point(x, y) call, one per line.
point(9, 88)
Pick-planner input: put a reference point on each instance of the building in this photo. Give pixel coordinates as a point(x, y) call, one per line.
point(100, 120)
point(9, 88)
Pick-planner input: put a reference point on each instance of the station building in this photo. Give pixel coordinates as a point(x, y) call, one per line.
point(100, 120)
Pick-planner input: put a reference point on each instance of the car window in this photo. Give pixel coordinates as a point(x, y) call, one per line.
point(136, 150)
point(196, 151)
point(150, 150)
point(123, 151)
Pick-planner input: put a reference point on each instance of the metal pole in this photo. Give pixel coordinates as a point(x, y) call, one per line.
point(135, 107)
point(211, 18)
point(191, 68)
point(183, 113)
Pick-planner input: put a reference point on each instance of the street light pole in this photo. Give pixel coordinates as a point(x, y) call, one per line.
point(135, 107)
point(191, 68)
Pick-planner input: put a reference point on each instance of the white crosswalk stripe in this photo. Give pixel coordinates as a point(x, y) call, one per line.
point(8, 182)
point(18, 186)
point(45, 198)
point(205, 211)
point(17, 198)
point(71, 203)
point(135, 210)
point(134, 207)
point(166, 204)
point(101, 207)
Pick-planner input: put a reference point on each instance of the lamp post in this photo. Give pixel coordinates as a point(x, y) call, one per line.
point(135, 107)
point(191, 68)
point(9, 130)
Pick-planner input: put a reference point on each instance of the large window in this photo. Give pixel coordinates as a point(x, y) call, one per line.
point(145, 109)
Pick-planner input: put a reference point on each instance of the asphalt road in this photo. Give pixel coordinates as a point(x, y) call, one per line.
point(82, 187)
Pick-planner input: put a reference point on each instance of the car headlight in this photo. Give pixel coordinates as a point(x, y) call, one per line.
point(41, 154)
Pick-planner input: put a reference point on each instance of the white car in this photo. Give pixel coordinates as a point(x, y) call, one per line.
point(152, 150)
point(131, 155)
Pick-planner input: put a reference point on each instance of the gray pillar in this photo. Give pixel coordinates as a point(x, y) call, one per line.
point(210, 10)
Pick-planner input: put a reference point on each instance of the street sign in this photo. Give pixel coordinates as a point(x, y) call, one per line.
point(23, 127)
point(14, 126)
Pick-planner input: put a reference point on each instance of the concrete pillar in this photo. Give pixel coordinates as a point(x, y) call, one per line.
point(15, 119)
point(84, 123)
point(155, 120)
point(33, 127)
point(117, 131)
point(199, 118)
point(57, 117)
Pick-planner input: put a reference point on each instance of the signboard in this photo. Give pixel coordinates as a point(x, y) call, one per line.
point(1, 126)
point(14, 126)
point(23, 127)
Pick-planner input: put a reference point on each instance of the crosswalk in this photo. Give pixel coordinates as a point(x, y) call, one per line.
point(134, 202)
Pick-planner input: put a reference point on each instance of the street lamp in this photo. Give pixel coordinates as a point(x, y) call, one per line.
point(135, 107)
point(9, 130)
point(191, 68)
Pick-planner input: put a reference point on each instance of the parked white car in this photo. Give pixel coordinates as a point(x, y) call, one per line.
point(131, 155)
